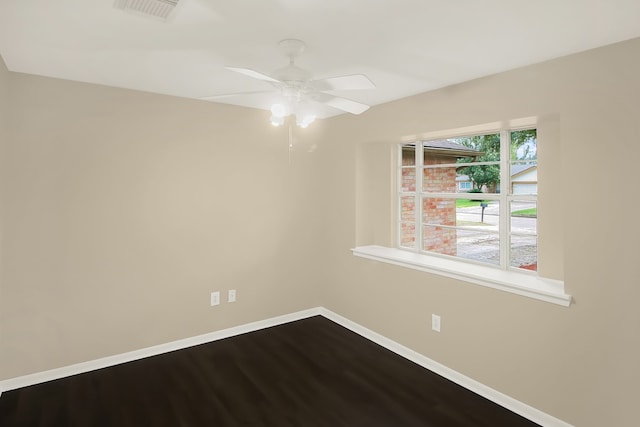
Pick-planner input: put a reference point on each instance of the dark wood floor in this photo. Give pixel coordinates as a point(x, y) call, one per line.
point(308, 373)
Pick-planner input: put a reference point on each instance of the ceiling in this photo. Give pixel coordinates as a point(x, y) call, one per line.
point(404, 46)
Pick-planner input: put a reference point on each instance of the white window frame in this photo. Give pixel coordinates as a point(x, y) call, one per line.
point(513, 280)
point(504, 198)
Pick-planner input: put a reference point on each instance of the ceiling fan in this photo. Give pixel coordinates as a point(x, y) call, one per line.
point(299, 90)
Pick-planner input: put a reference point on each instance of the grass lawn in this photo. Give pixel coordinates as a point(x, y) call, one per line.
point(533, 212)
point(464, 203)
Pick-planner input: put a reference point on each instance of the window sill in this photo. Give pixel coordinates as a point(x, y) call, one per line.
point(531, 286)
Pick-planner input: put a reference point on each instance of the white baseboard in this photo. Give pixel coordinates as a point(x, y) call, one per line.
point(105, 362)
point(501, 399)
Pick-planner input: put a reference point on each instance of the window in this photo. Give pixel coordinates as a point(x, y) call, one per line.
point(471, 198)
point(486, 235)
point(464, 185)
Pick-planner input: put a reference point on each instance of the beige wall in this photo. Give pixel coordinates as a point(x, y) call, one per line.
point(579, 364)
point(124, 210)
point(4, 112)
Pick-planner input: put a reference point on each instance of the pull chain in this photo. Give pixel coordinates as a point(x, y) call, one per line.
point(290, 142)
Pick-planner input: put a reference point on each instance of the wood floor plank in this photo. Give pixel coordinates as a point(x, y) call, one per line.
point(308, 373)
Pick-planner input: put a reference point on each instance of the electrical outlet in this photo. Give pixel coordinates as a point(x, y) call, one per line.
point(435, 322)
point(231, 296)
point(215, 298)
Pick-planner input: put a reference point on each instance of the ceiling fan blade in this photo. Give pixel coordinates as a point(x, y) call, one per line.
point(229, 95)
point(343, 104)
point(254, 74)
point(352, 82)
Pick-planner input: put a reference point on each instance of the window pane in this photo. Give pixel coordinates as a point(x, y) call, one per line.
point(524, 145)
point(408, 235)
point(479, 246)
point(438, 211)
point(408, 171)
point(461, 212)
point(407, 208)
point(524, 252)
point(475, 245)
point(483, 178)
point(484, 214)
point(439, 179)
point(479, 240)
point(524, 227)
point(524, 217)
point(524, 166)
point(441, 161)
point(524, 178)
point(441, 240)
point(409, 155)
point(408, 179)
point(480, 148)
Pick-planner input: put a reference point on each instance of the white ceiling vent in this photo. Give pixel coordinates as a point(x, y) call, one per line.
point(155, 8)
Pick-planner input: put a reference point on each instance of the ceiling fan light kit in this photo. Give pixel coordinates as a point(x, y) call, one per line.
point(298, 91)
point(280, 111)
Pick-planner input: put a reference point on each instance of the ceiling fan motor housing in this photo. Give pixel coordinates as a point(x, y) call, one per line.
point(292, 75)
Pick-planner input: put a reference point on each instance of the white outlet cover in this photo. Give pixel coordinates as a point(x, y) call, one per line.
point(231, 296)
point(435, 322)
point(215, 298)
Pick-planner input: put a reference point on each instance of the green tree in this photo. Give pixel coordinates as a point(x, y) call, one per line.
point(522, 148)
point(482, 175)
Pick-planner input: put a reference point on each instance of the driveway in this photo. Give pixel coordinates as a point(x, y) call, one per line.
point(480, 241)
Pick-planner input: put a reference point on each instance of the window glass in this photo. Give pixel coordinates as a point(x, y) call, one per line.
point(463, 198)
point(479, 246)
point(438, 211)
point(524, 231)
point(408, 235)
point(408, 168)
point(482, 154)
point(407, 208)
point(523, 252)
point(524, 162)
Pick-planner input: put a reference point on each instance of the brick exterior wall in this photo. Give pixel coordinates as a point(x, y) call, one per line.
point(407, 204)
point(439, 210)
point(434, 210)
point(409, 179)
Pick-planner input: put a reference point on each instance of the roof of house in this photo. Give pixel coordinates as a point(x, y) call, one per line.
point(520, 168)
point(449, 148)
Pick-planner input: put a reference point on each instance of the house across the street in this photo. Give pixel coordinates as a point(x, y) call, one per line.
point(524, 180)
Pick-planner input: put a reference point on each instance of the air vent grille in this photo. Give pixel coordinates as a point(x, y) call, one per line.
point(156, 8)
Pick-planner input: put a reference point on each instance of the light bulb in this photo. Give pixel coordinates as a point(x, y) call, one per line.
point(305, 121)
point(277, 120)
